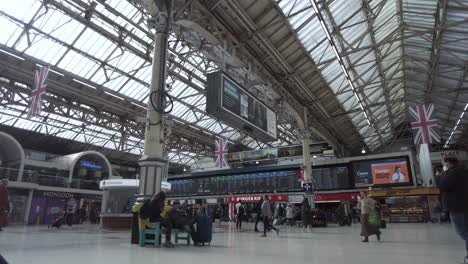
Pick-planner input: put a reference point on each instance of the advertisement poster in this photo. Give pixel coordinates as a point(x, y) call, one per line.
point(362, 174)
point(390, 172)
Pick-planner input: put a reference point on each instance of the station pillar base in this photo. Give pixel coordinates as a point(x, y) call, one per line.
point(151, 174)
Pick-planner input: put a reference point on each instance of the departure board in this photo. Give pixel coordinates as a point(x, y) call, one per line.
point(251, 182)
point(327, 178)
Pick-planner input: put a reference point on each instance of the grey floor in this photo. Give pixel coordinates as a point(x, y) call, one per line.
point(402, 243)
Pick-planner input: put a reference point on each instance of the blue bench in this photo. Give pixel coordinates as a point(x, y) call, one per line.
point(157, 232)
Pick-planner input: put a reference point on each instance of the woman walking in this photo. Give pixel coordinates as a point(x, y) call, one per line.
point(367, 205)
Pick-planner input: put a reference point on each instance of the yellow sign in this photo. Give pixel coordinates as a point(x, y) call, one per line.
point(405, 192)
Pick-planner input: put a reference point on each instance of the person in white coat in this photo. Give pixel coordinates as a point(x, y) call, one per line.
point(290, 214)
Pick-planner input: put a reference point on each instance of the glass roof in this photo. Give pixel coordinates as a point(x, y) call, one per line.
point(63, 41)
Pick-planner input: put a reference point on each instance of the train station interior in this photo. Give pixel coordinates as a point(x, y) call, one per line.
point(234, 131)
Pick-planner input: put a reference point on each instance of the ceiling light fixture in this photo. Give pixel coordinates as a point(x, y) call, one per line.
point(339, 58)
point(363, 151)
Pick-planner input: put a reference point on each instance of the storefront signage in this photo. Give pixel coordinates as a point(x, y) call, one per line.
point(57, 194)
point(336, 197)
point(67, 195)
point(89, 165)
point(274, 198)
point(405, 192)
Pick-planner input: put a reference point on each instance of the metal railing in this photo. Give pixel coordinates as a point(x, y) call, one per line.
point(48, 180)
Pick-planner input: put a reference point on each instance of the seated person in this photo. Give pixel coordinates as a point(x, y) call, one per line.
point(153, 211)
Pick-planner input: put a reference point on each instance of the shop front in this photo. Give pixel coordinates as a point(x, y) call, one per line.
point(47, 206)
point(412, 205)
point(18, 205)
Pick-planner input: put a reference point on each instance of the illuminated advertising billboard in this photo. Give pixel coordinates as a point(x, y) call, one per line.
point(382, 172)
point(390, 172)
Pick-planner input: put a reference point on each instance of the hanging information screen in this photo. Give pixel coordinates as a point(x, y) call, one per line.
point(228, 101)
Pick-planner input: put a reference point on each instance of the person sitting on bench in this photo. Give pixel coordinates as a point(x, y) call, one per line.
point(154, 210)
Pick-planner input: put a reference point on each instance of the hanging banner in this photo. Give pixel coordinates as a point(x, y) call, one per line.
point(424, 124)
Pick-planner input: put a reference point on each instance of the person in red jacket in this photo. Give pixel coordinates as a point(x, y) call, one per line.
point(4, 203)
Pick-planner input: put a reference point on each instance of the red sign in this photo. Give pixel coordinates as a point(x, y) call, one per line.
point(336, 197)
point(274, 198)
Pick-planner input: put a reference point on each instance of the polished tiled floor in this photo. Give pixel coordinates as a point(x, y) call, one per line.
point(402, 243)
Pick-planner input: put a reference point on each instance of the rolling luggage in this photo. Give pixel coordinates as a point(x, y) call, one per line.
point(204, 232)
point(383, 224)
point(58, 222)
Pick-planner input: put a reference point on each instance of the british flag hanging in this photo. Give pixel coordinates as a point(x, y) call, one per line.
point(40, 88)
point(424, 124)
point(221, 152)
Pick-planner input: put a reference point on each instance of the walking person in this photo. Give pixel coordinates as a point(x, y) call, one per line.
point(258, 211)
point(70, 211)
point(267, 215)
point(306, 214)
point(4, 203)
point(240, 215)
point(367, 205)
point(454, 188)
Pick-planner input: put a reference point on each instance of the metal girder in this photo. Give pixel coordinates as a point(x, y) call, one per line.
point(183, 66)
point(272, 59)
point(441, 17)
point(344, 45)
point(96, 124)
point(379, 56)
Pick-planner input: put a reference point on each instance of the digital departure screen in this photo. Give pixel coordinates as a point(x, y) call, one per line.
point(254, 182)
point(287, 180)
point(240, 103)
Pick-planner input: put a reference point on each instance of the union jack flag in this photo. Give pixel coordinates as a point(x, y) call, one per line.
point(40, 88)
point(424, 124)
point(221, 152)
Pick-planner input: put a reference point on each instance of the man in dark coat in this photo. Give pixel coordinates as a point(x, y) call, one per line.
point(454, 188)
point(4, 203)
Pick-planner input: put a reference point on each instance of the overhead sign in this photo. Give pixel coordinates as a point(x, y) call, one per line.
point(260, 154)
point(128, 183)
point(230, 102)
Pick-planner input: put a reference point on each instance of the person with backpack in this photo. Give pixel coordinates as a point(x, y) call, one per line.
point(239, 216)
point(454, 188)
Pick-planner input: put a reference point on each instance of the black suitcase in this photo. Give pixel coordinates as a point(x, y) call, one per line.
point(58, 222)
point(383, 224)
point(204, 232)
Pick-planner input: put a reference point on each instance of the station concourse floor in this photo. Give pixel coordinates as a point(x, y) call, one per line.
point(401, 243)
